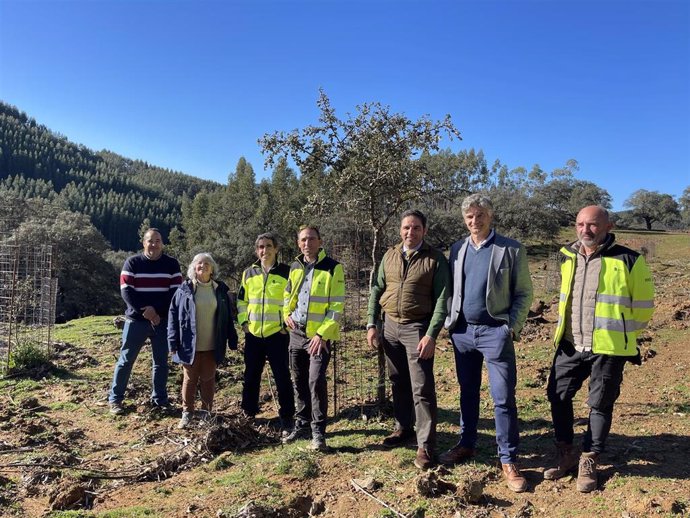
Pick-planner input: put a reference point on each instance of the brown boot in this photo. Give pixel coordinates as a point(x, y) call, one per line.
point(515, 480)
point(587, 478)
point(423, 459)
point(567, 462)
point(456, 455)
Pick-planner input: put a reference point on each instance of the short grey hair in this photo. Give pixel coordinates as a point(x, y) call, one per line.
point(191, 274)
point(270, 236)
point(477, 200)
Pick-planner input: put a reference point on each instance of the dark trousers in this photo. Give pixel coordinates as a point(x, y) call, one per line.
point(256, 351)
point(473, 344)
point(569, 370)
point(309, 379)
point(412, 381)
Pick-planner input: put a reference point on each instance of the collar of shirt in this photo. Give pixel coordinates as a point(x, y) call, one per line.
point(483, 243)
point(407, 250)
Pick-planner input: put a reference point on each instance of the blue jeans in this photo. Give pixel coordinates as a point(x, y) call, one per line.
point(474, 343)
point(134, 335)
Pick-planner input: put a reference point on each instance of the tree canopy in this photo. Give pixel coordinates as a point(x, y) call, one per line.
point(653, 206)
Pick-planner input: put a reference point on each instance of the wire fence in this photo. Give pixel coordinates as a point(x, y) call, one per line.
point(28, 293)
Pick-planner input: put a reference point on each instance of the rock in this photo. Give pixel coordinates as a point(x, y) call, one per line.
point(369, 483)
point(470, 490)
point(253, 510)
point(639, 507)
point(429, 484)
point(69, 494)
point(29, 403)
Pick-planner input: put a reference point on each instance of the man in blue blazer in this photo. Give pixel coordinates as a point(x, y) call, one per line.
point(491, 296)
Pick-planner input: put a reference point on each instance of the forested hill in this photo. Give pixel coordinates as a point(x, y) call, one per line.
point(115, 192)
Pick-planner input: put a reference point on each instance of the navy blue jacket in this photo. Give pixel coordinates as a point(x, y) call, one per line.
point(182, 323)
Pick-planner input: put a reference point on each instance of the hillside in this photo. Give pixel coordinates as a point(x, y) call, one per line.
point(117, 193)
point(61, 449)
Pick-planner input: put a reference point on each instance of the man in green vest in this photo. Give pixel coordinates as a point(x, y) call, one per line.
point(410, 294)
point(607, 297)
point(260, 314)
point(314, 299)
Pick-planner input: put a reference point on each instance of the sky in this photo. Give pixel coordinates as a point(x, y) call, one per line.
point(192, 85)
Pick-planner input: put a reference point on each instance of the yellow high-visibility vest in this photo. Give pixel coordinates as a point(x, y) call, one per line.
point(260, 299)
point(326, 297)
point(624, 300)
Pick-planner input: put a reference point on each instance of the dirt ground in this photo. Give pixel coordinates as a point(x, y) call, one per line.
point(62, 454)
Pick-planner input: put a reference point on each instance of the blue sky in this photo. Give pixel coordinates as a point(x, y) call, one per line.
point(191, 86)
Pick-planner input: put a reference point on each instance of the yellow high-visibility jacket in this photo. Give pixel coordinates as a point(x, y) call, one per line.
point(624, 299)
point(326, 297)
point(260, 299)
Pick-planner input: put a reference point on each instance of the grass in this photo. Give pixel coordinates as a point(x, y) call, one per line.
point(298, 463)
point(17, 388)
point(83, 330)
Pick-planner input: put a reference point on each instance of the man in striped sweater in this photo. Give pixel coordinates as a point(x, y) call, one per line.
point(147, 284)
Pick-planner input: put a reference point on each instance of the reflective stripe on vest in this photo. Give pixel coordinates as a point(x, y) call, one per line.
point(326, 298)
point(260, 299)
point(624, 302)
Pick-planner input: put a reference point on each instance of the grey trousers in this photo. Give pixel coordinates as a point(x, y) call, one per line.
point(309, 379)
point(412, 380)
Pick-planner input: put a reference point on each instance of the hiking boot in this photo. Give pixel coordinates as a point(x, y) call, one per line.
point(399, 437)
point(456, 455)
point(515, 480)
point(318, 443)
point(298, 432)
point(587, 477)
point(423, 459)
point(185, 420)
point(567, 462)
point(116, 408)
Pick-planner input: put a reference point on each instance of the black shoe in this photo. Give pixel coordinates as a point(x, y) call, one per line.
point(298, 432)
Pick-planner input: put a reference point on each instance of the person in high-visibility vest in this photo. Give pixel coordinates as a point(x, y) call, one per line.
point(607, 298)
point(313, 310)
point(260, 314)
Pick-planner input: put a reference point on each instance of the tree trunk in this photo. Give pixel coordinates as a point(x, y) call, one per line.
point(381, 358)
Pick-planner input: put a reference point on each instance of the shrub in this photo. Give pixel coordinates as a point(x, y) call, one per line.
point(28, 355)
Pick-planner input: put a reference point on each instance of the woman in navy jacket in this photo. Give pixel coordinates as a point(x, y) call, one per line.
point(200, 328)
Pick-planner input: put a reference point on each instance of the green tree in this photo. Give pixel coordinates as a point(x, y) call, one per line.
point(684, 203)
point(87, 283)
point(653, 206)
point(368, 163)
